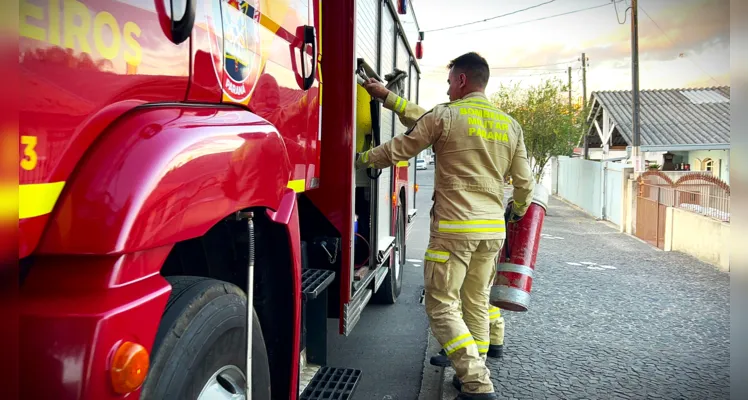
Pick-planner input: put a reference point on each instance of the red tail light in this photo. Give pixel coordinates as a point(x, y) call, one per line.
point(419, 50)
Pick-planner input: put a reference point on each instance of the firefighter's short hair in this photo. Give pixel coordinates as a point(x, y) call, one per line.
point(474, 66)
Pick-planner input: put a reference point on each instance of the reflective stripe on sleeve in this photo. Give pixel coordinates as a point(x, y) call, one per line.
point(460, 342)
point(494, 313)
point(437, 256)
point(400, 104)
point(480, 225)
point(482, 346)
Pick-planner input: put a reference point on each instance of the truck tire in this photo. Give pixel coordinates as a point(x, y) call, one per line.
point(200, 344)
point(393, 283)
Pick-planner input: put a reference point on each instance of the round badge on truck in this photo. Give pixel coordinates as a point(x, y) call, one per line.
point(241, 56)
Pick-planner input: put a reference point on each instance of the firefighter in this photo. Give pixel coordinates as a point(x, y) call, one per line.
point(475, 145)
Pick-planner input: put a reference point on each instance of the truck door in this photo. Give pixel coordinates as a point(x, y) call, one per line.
point(266, 62)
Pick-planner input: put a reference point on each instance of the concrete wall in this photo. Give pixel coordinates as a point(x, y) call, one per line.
point(702, 237)
point(596, 187)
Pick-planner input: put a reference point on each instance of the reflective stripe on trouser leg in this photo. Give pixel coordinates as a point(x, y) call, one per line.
point(496, 325)
point(474, 292)
point(443, 274)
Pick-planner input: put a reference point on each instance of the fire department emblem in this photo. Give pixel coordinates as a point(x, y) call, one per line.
point(241, 47)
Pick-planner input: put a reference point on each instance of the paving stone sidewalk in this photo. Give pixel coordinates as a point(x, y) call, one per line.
point(614, 318)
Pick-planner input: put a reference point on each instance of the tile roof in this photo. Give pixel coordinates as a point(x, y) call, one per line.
point(672, 117)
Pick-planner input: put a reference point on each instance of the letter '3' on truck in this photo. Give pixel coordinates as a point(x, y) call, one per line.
point(188, 197)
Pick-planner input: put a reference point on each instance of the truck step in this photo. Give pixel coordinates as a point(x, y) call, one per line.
point(332, 384)
point(314, 281)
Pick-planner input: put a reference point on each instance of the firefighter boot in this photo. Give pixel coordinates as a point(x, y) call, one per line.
point(495, 351)
point(441, 359)
point(496, 328)
point(469, 396)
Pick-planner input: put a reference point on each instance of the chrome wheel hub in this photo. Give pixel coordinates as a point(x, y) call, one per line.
point(228, 383)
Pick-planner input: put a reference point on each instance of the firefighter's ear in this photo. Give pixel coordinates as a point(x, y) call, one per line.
point(463, 80)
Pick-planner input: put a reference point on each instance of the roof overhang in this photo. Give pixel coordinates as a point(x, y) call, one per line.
point(686, 147)
point(682, 147)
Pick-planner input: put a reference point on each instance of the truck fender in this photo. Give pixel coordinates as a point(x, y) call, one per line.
point(166, 173)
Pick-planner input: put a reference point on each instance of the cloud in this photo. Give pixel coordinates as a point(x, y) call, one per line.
point(689, 29)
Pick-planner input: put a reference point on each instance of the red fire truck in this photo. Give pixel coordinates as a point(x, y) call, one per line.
point(188, 203)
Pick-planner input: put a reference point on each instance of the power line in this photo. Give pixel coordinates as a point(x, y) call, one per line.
point(518, 67)
point(673, 43)
point(489, 19)
point(537, 19)
point(624, 13)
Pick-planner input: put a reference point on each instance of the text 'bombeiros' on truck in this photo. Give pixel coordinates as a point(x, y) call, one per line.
point(188, 203)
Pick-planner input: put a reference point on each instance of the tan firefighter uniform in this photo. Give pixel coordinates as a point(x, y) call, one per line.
point(496, 321)
point(476, 145)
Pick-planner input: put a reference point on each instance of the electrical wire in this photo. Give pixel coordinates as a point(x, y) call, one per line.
point(491, 18)
point(536, 19)
point(624, 13)
point(673, 43)
point(368, 251)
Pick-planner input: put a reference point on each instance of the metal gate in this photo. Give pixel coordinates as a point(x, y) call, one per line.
point(656, 194)
point(650, 214)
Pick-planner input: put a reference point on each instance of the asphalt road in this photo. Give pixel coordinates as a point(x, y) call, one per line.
point(389, 342)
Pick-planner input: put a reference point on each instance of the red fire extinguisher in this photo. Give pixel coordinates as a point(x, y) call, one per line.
point(516, 265)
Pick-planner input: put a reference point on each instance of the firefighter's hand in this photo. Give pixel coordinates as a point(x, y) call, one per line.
point(376, 89)
point(360, 164)
point(513, 216)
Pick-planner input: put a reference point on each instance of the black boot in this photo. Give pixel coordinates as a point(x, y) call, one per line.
point(440, 360)
point(496, 351)
point(456, 383)
point(477, 396)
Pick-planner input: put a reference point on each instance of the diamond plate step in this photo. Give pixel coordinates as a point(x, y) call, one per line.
point(332, 384)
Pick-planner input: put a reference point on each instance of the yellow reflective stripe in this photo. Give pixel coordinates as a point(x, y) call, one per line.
point(482, 346)
point(38, 198)
point(481, 225)
point(402, 163)
point(298, 185)
point(365, 156)
point(437, 256)
point(401, 109)
point(494, 313)
point(460, 342)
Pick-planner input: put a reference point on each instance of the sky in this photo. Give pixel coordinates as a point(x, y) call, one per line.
point(682, 43)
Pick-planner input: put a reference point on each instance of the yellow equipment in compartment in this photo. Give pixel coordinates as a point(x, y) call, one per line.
point(363, 120)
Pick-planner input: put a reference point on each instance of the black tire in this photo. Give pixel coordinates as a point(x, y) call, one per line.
point(202, 330)
point(393, 283)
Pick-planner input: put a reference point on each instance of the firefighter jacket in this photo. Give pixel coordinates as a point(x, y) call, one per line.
point(476, 145)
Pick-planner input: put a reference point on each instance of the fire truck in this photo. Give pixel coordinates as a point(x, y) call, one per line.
point(189, 209)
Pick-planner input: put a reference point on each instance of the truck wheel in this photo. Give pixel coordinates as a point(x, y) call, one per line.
point(200, 344)
point(393, 283)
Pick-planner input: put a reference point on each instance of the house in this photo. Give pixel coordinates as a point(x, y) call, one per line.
point(678, 127)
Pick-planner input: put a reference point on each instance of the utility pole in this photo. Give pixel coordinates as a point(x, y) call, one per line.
point(635, 151)
point(570, 109)
point(584, 105)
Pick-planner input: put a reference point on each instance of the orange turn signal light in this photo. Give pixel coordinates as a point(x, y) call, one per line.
point(394, 200)
point(129, 367)
point(415, 187)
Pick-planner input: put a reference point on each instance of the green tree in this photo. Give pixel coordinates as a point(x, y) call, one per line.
point(551, 127)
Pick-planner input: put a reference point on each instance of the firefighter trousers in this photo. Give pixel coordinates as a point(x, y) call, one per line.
point(495, 325)
point(457, 279)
